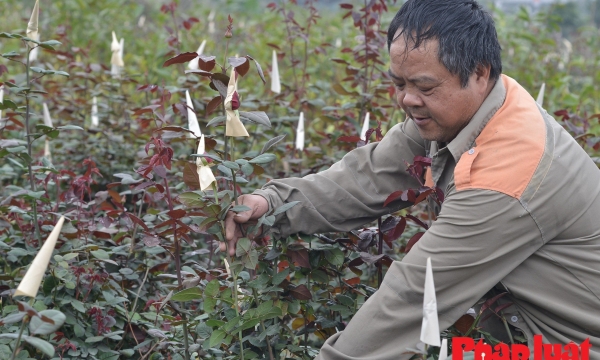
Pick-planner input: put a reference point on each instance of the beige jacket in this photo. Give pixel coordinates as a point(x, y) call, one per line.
point(522, 209)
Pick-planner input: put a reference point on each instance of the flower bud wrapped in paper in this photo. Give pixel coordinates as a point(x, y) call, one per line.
point(205, 174)
point(233, 124)
point(47, 122)
point(193, 125)
point(116, 59)
point(30, 284)
point(300, 132)
point(32, 26)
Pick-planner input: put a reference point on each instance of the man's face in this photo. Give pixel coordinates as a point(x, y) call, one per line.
point(430, 94)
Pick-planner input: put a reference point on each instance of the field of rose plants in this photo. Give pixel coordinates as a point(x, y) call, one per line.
point(116, 134)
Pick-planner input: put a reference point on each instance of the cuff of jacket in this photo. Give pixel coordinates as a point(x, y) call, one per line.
point(279, 229)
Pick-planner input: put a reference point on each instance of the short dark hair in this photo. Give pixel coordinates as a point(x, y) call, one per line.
point(465, 32)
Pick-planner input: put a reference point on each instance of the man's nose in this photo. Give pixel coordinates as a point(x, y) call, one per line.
point(411, 100)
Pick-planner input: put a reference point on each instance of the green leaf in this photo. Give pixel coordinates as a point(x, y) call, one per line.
point(10, 55)
point(280, 276)
point(94, 339)
point(188, 294)
point(285, 207)
point(231, 165)
point(263, 159)
point(191, 199)
point(216, 121)
point(258, 117)
point(335, 256)
point(50, 44)
point(100, 254)
point(50, 282)
point(247, 254)
point(6, 35)
point(40, 344)
point(212, 288)
point(37, 326)
point(216, 337)
point(240, 208)
point(38, 70)
point(56, 72)
point(8, 104)
point(272, 142)
point(247, 169)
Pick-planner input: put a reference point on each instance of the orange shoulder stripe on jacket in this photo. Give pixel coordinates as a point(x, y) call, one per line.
point(508, 150)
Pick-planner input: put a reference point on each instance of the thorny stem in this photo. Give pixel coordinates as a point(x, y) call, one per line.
point(18, 339)
point(178, 269)
point(29, 142)
point(262, 324)
point(136, 225)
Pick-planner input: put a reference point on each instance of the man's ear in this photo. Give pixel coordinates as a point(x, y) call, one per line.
point(482, 72)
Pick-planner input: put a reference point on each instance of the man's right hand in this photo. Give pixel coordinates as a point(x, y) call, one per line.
point(233, 222)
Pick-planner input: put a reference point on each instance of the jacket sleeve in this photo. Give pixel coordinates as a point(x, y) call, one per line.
point(479, 237)
point(352, 191)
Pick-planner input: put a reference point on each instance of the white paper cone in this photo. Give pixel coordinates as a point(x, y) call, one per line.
point(300, 132)
point(365, 127)
point(116, 61)
point(192, 119)
point(275, 83)
point(430, 329)
point(32, 26)
point(540, 97)
point(33, 55)
point(47, 118)
point(338, 42)
point(141, 21)
point(47, 153)
point(193, 65)
point(30, 284)
point(121, 49)
point(444, 350)
point(233, 124)
point(95, 121)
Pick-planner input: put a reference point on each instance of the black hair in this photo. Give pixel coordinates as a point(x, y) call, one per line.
point(465, 32)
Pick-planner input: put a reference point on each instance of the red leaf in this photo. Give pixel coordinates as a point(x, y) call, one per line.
point(422, 196)
point(413, 240)
point(489, 302)
point(398, 230)
point(346, 6)
point(187, 25)
point(206, 63)
point(181, 58)
point(419, 222)
point(213, 104)
point(176, 214)
point(393, 196)
point(353, 281)
point(301, 292)
point(138, 221)
point(299, 257)
point(351, 139)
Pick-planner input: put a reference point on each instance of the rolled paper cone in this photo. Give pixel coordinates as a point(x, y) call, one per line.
point(338, 42)
point(205, 174)
point(33, 55)
point(430, 329)
point(540, 97)
point(300, 132)
point(193, 125)
point(47, 118)
point(193, 65)
point(47, 153)
point(233, 124)
point(32, 26)
point(95, 121)
point(365, 128)
point(30, 284)
point(141, 21)
point(444, 350)
point(121, 49)
point(275, 82)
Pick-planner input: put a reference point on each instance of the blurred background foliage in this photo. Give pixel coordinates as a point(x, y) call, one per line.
point(126, 269)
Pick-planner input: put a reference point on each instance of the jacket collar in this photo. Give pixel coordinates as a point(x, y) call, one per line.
point(466, 137)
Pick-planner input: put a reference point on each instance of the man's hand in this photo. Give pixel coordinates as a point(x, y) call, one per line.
point(233, 222)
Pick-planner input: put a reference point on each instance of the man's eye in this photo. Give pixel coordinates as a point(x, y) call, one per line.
point(426, 91)
point(399, 86)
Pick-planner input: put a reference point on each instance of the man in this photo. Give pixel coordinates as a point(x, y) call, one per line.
point(522, 198)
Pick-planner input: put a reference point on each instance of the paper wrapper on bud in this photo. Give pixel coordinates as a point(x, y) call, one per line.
point(365, 128)
point(95, 121)
point(30, 284)
point(193, 65)
point(233, 124)
point(430, 329)
point(300, 132)
point(47, 118)
point(275, 82)
point(193, 125)
point(32, 26)
point(540, 97)
point(205, 174)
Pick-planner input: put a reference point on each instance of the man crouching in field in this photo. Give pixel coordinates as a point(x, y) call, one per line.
point(522, 204)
